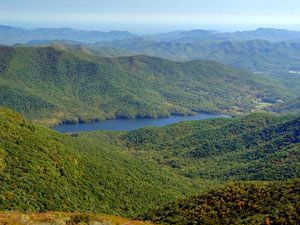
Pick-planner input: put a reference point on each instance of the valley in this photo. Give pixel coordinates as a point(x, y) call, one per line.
point(115, 128)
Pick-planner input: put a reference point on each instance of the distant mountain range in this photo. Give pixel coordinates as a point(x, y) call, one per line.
point(277, 61)
point(268, 34)
point(12, 35)
point(254, 55)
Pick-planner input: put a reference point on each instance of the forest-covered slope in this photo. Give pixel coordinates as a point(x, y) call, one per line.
point(43, 170)
point(50, 86)
point(237, 203)
point(105, 51)
point(255, 147)
point(287, 107)
point(128, 172)
point(253, 55)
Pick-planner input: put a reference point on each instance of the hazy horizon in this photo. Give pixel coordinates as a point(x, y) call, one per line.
point(140, 29)
point(144, 16)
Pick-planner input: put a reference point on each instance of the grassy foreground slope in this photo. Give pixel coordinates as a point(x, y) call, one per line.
point(59, 218)
point(43, 170)
point(50, 86)
point(238, 203)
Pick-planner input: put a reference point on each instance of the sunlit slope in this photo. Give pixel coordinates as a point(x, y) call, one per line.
point(43, 170)
point(49, 85)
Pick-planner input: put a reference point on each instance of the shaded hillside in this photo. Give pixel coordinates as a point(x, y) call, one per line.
point(50, 86)
point(42, 170)
point(287, 107)
point(239, 203)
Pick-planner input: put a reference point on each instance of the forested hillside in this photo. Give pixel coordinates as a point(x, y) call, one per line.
point(253, 55)
point(287, 107)
point(50, 86)
point(43, 170)
point(255, 147)
point(238, 203)
point(128, 172)
point(105, 51)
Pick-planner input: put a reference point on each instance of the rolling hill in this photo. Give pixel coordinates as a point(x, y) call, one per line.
point(255, 147)
point(278, 62)
point(237, 203)
point(48, 85)
point(128, 173)
point(105, 51)
point(253, 55)
point(43, 170)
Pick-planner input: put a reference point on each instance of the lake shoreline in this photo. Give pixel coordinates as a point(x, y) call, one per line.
point(133, 123)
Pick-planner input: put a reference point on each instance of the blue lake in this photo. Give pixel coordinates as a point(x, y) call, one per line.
point(130, 124)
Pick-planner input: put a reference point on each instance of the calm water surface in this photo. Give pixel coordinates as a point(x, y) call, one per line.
point(130, 124)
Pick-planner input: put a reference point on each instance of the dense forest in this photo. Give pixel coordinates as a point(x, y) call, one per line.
point(255, 147)
point(43, 170)
point(237, 203)
point(129, 172)
point(50, 86)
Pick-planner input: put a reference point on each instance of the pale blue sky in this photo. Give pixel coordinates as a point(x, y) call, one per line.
point(151, 15)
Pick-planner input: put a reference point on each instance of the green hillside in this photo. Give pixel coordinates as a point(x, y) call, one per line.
point(43, 170)
point(255, 147)
point(287, 107)
point(254, 55)
point(278, 62)
point(238, 203)
point(49, 86)
point(105, 51)
point(128, 172)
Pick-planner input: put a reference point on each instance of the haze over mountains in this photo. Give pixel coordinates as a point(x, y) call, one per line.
point(12, 35)
point(273, 53)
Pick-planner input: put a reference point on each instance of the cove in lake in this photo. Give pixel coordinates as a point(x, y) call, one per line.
point(130, 124)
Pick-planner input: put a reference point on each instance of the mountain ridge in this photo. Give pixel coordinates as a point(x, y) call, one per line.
point(52, 86)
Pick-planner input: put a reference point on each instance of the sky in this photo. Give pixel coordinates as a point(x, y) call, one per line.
point(144, 16)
